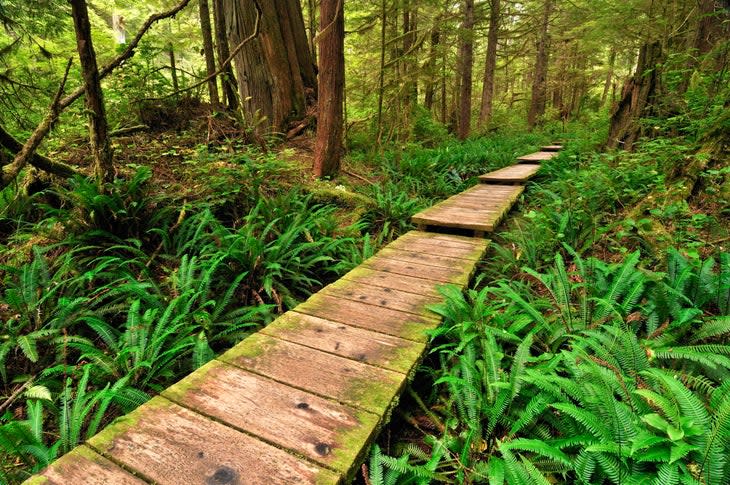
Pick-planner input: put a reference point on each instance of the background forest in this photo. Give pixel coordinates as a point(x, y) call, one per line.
point(231, 157)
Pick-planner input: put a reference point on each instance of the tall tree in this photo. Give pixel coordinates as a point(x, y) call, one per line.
point(228, 80)
point(490, 64)
point(328, 146)
point(539, 80)
point(466, 56)
point(208, 51)
point(275, 75)
point(98, 127)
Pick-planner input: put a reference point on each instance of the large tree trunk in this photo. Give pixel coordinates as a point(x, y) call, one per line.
point(328, 147)
point(98, 128)
point(490, 65)
point(207, 32)
point(466, 54)
point(539, 82)
point(637, 100)
point(228, 80)
point(273, 80)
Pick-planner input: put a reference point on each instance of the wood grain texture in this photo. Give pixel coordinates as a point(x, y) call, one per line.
point(369, 317)
point(367, 387)
point(84, 466)
point(171, 445)
point(442, 274)
point(325, 431)
point(382, 297)
point(354, 343)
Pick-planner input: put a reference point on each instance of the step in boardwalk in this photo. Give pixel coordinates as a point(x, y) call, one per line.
point(515, 174)
point(300, 401)
point(536, 157)
point(479, 209)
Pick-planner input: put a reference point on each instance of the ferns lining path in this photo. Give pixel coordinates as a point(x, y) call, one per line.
point(301, 400)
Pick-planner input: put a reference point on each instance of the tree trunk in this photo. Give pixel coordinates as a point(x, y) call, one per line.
point(271, 77)
point(328, 146)
point(207, 32)
point(173, 68)
point(431, 66)
point(466, 54)
point(228, 80)
point(539, 82)
point(98, 128)
point(490, 65)
point(381, 74)
point(637, 99)
point(609, 75)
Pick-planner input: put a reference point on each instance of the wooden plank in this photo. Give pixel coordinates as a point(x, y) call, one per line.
point(367, 387)
point(326, 432)
point(83, 466)
point(515, 173)
point(382, 297)
point(436, 247)
point(462, 265)
point(480, 208)
point(171, 445)
point(369, 317)
point(355, 343)
point(441, 240)
point(537, 157)
point(551, 148)
point(383, 279)
point(442, 274)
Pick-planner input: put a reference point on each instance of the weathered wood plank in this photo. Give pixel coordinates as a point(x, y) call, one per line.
point(325, 431)
point(382, 297)
point(367, 387)
point(441, 240)
point(462, 265)
point(383, 320)
point(442, 274)
point(355, 343)
point(384, 279)
point(537, 157)
point(480, 208)
point(83, 466)
point(171, 445)
point(551, 148)
point(516, 173)
point(433, 246)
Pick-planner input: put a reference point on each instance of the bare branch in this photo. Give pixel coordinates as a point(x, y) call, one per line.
point(21, 159)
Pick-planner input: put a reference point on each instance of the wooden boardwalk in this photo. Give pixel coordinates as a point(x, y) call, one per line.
point(515, 174)
point(300, 401)
point(536, 157)
point(479, 209)
point(551, 148)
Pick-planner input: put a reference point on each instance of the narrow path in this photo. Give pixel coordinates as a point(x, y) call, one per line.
point(301, 400)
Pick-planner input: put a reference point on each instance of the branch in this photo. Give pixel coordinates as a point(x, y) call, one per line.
point(128, 52)
point(224, 64)
point(26, 153)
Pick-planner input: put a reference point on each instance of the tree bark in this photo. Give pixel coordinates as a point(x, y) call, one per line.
point(381, 74)
point(328, 146)
point(207, 32)
point(228, 80)
point(98, 128)
point(271, 76)
point(637, 99)
point(466, 55)
point(431, 66)
point(490, 64)
point(539, 82)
